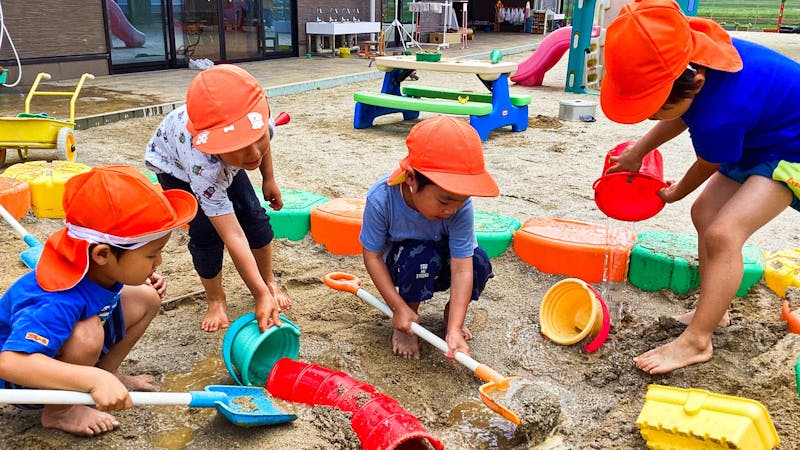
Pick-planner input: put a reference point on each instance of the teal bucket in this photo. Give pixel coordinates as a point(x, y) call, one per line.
point(250, 354)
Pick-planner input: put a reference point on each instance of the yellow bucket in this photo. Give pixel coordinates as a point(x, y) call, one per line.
point(572, 311)
point(782, 270)
point(46, 180)
point(674, 418)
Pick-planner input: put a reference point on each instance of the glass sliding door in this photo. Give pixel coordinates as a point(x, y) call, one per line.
point(278, 18)
point(137, 32)
point(199, 27)
point(241, 19)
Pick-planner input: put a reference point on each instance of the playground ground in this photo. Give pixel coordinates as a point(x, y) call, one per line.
point(546, 171)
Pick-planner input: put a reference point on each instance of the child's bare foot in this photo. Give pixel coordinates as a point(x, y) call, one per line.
point(81, 420)
point(673, 355)
point(405, 345)
point(687, 317)
point(216, 317)
point(144, 382)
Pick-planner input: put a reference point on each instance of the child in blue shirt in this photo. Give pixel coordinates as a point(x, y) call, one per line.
point(418, 231)
point(739, 102)
point(69, 323)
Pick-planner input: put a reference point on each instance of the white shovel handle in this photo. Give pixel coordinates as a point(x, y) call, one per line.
point(13, 222)
point(57, 397)
point(419, 330)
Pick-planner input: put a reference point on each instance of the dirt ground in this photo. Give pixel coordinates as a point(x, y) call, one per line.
point(546, 171)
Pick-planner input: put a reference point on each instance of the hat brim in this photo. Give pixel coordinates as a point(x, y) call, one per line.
point(234, 136)
point(474, 185)
point(631, 109)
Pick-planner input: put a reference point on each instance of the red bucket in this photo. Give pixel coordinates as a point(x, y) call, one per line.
point(631, 196)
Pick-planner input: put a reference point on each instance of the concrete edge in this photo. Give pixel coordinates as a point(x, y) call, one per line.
point(96, 120)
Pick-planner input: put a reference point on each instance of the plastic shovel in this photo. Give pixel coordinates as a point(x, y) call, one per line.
point(241, 405)
point(496, 385)
point(29, 256)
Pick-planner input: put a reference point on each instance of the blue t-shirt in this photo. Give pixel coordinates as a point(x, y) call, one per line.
point(388, 219)
point(750, 116)
point(33, 320)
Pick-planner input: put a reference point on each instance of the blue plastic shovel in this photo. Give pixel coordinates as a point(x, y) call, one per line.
point(29, 256)
point(241, 405)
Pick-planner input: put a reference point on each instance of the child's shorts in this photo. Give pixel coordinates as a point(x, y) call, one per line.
point(785, 172)
point(114, 331)
point(420, 268)
point(205, 244)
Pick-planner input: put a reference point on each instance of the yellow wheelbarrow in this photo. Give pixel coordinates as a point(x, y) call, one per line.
point(28, 131)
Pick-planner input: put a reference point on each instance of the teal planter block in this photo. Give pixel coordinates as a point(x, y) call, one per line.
point(150, 176)
point(661, 260)
point(494, 231)
point(293, 221)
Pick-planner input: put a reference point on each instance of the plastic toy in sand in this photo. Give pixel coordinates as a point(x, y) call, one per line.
point(494, 231)
point(590, 252)
point(631, 196)
point(337, 224)
point(15, 196)
point(573, 311)
point(250, 354)
point(377, 419)
point(664, 260)
point(782, 270)
point(695, 418)
point(46, 181)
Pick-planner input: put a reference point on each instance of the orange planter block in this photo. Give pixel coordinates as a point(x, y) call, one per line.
point(575, 249)
point(15, 196)
point(337, 224)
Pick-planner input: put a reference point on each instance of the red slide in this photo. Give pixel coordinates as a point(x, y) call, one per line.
point(531, 71)
point(121, 28)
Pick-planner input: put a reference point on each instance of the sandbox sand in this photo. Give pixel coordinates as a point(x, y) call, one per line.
point(546, 171)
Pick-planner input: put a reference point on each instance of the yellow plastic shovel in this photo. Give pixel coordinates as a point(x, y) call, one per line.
point(496, 385)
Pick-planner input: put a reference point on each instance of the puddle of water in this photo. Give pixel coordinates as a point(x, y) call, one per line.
point(483, 429)
point(182, 426)
point(613, 251)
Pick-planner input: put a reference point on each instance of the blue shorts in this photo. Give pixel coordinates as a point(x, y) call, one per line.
point(205, 245)
point(114, 331)
point(784, 172)
point(420, 268)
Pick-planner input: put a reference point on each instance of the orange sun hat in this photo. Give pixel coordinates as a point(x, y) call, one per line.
point(227, 109)
point(648, 46)
point(115, 205)
point(449, 152)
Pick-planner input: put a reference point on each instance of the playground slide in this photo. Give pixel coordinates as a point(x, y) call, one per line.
point(531, 71)
point(121, 28)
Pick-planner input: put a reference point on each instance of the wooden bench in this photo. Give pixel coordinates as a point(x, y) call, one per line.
point(453, 94)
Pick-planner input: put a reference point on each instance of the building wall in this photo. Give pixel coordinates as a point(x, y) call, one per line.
point(70, 32)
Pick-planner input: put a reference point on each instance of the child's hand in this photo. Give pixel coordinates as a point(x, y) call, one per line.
point(456, 343)
point(272, 194)
point(267, 312)
point(159, 283)
point(626, 162)
point(402, 319)
point(108, 393)
point(669, 194)
point(283, 300)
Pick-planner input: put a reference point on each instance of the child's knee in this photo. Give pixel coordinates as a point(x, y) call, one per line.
point(87, 335)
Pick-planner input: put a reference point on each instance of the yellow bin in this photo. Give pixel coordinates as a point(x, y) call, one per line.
point(46, 180)
point(675, 418)
point(782, 270)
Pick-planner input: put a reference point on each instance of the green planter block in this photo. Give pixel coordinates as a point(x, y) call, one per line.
point(661, 260)
point(293, 221)
point(494, 231)
point(150, 176)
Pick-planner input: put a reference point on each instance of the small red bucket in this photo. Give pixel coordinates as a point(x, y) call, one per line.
point(631, 196)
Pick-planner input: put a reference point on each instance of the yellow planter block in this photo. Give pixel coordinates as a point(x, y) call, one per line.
point(46, 180)
point(782, 270)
